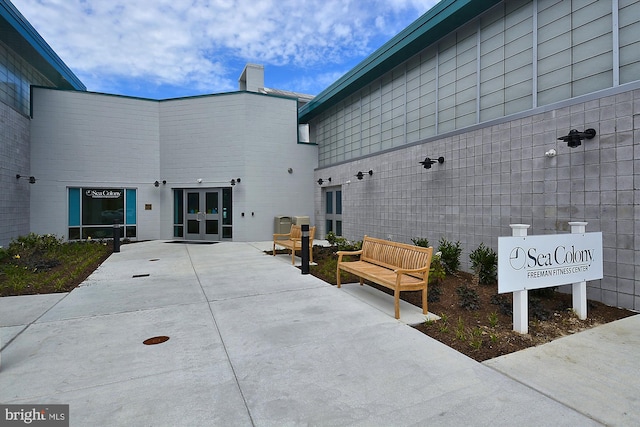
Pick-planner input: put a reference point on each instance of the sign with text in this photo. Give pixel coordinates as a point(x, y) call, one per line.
point(34, 415)
point(534, 262)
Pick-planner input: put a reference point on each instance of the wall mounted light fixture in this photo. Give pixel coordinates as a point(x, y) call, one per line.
point(156, 184)
point(321, 181)
point(428, 162)
point(574, 138)
point(32, 179)
point(360, 174)
point(235, 181)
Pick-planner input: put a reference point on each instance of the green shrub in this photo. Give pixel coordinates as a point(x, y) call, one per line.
point(420, 241)
point(343, 244)
point(331, 238)
point(484, 262)
point(33, 243)
point(4, 254)
point(450, 255)
point(437, 271)
point(468, 298)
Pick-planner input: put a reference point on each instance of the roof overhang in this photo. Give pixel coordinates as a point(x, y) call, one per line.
point(17, 33)
point(439, 21)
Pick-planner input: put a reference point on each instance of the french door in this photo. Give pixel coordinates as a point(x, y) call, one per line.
point(203, 214)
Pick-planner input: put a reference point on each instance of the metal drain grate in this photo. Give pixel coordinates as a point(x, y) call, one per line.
point(135, 276)
point(155, 340)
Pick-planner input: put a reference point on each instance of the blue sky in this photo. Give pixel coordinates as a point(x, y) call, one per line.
point(171, 48)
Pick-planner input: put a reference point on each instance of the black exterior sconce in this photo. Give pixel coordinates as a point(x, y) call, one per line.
point(574, 138)
point(234, 181)
point(157, 183)
point(321, 181)
point(428, 162)
point(32, 179)
point(360, 174)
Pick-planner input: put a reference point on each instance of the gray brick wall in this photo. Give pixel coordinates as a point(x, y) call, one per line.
point(14, 159)
point(497, 175)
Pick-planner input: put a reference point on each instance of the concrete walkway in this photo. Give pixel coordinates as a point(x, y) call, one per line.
point(254, 342)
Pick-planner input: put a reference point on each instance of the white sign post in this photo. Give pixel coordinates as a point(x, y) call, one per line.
point(579, 289)
point(534, 262)
point(520, 298)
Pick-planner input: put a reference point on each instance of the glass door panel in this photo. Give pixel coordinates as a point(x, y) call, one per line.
point(333, 210)
point(212, 215)
point(202, 214)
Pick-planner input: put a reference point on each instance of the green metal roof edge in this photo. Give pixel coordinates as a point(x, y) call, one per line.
point(164, 100)
point(9, 12)
point(439, 21)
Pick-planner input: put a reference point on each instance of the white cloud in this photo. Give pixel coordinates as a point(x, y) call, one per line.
point(199, 43)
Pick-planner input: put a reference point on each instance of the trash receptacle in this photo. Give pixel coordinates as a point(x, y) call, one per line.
point(301, 220)
point(282, 224)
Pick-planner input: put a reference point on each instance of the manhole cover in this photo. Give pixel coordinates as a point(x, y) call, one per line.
point(155, 340)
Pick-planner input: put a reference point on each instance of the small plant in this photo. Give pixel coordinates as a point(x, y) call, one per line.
point(537, 310)
point(476, 343)
point(444, 327)
point(433, 293)
point(437, 272)
point(469, 298)
point(460, 330)
point(428, 321)
point(341, 243)
point(450, 255)
point(493, 338)
point(504, 306)
point(484, 262)
point(420, 241)
point(493, 319)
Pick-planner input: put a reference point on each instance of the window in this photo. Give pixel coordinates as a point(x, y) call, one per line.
point(92, 212)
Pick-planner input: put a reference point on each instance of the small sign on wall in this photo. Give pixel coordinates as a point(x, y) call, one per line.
point(534, 262)
point(147, 206)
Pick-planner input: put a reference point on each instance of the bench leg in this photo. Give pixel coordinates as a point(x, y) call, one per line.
point(338, 276)
point(396, 302)
point(293, 254)
point(361, 281)
point(425, 301)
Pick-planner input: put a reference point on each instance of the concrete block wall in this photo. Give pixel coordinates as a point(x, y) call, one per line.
point(498, 174)
point(238, 135)
point(83, 139)
point(14, 159)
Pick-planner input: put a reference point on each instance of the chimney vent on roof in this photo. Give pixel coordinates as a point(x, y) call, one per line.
point(252, 78)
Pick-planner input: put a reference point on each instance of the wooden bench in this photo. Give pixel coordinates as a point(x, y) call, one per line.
point(397, 266)
point(293, 241)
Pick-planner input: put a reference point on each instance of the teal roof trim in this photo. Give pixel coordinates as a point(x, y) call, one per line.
point(439, 21)
point(20, 36)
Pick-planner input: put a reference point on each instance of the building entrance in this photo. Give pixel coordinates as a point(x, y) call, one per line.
point(203, 216)
point(202, 213)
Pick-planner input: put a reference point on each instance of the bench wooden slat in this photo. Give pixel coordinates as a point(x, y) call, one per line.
point(293, 241)
point(394, 265)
